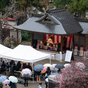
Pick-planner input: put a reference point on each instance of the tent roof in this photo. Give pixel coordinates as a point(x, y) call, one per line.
point(4, 49)
point(25, 54)
point(63, 23)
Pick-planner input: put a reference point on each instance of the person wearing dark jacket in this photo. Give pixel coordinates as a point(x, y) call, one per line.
point(12, 62)
point(18, 66)
point(12, 85)
point(29, 66)
point(48, 71)
point(26, 76)
point(24, 65)
point(12, 69)
point(7, 69)
point(3, 66)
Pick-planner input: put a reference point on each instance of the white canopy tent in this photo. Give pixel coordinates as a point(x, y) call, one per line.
point(25, 54)
point(4, 49)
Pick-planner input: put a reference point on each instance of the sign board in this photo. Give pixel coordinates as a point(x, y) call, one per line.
point(75, 50)
point(68, 56)
point(60, 55)
point(81, 51)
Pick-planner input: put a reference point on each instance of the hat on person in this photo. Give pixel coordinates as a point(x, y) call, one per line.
point(25, 62)
point(40, 83)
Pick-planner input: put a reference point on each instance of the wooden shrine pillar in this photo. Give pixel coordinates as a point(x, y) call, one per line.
point(61, 44)
point(72, 47)
point(32, 35)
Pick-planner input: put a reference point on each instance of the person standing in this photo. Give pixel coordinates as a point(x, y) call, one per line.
point(46, 81)
point(24, 65)
point(29, 66)
point(3, 66)
point(12, 69)
point(38, 76)
point(6, 86)
point(12, 85)
point(48, 71)
point(26, 76)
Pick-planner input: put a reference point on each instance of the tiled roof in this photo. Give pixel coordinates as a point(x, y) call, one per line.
point(67, 25)
point(70, 25)
point(11, 19)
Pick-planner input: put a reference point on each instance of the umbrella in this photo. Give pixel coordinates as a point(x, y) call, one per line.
point(38, 68)
point(2, 78)
point(44, 70)
point(46, 79)
point(53, 67)
point(47, 65)
point(26, 71)
point(13, 79)
point(80, 65)
point(54, 74)
point(6, 81)
point(59, 66)
point(67, 65)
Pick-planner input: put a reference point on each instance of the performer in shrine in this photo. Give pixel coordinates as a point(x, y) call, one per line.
point(49, 43)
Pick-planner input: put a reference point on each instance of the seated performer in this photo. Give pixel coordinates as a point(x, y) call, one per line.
point(41, 45)
point(49, 41)
point(49, 47)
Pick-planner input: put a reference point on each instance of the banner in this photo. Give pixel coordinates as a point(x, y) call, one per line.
point(57, 38)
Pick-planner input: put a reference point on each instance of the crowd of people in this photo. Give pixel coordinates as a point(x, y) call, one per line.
point(10, 67)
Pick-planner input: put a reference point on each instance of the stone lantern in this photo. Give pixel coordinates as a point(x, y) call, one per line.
point(12, 42)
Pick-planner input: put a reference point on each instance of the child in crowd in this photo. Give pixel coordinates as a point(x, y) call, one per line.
point(40, 85)
point(6, 86)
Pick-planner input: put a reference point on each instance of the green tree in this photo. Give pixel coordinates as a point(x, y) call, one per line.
point(23, 4)
point(26, 36)
point(61, 3)
point(3, 3)
point(78, 7)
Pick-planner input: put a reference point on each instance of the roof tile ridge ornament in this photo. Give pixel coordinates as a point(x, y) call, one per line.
point(36, 15)
point(49, 16)
point(57, 9)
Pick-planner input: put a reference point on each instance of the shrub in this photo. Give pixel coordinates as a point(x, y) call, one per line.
point(73, 77)
point(7, 42)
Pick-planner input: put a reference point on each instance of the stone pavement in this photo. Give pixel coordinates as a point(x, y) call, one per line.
point(31, 85)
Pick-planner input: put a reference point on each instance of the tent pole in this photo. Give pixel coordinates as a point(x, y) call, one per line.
point(33, 72)
point(32, 34)
point(61, 44)
point(50, 60)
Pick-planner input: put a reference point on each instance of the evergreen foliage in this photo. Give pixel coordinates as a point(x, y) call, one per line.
point(78, 7)
point(3, 3)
